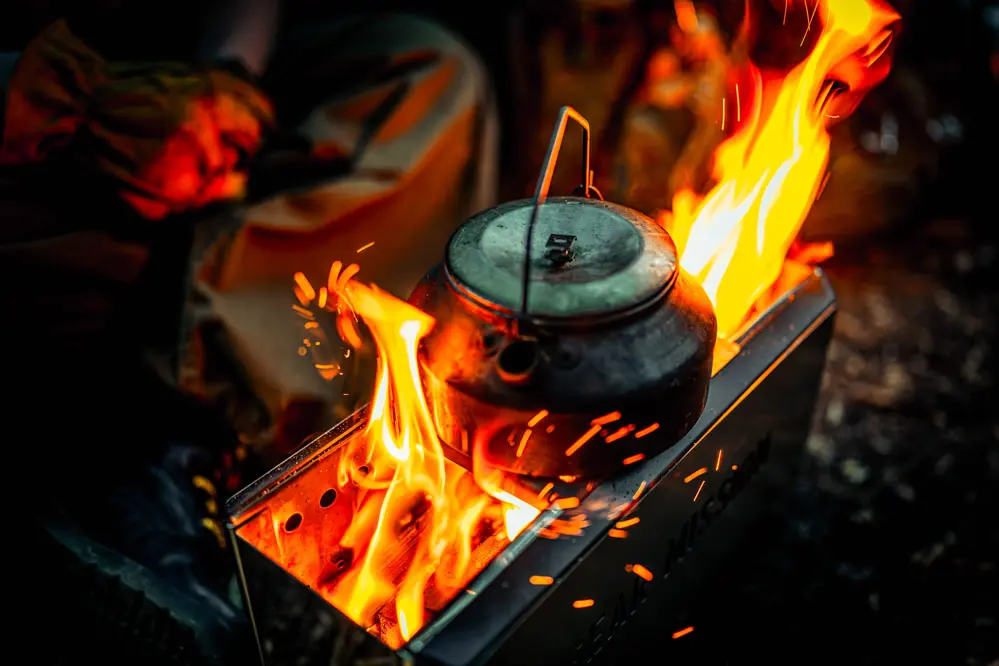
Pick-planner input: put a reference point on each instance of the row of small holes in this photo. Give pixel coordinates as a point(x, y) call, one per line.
point(325, 500)
point(295, 520)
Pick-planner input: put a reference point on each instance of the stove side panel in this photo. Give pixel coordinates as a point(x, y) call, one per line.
point(294, 625)
point(694, 526)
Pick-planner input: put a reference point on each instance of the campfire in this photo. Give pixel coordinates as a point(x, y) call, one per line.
point(419, 520)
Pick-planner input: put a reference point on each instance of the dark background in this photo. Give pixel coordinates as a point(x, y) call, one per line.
point(886, 550)
point(949, 44)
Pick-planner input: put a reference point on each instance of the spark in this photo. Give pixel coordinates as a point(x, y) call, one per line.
point(364, 247)
point(718, 460)
point(606, 418)
point(582, 603)
point(638, 493)
point(691, 477)
point(634, 459)
point(334, 274)
point(541, 580)
point(568, 503)
point(619, 433)
point(811, 15)
point(587, 436)
point(345, 277)
point(537, 418)
point(639, 571)
point(523, 442)
point(699, 489)
point(628, 523)
point(546, 489)
point(682, 633)
point(304, 284)
point(617, 534)
point(647, 431)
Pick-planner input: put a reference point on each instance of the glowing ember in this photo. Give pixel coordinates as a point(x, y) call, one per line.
point(770, 171)
point(410, 493)
point(682, 632)
point(640, 571)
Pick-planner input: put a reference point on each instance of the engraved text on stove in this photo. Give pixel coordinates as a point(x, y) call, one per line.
point(679, 545)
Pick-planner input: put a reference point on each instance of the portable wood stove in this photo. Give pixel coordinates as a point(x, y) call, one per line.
point(714, 432)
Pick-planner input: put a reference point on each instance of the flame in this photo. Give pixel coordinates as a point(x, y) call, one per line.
point(770, 171)
point(419, 515)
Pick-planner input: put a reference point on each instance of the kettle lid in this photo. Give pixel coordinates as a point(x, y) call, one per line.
point(588, 258)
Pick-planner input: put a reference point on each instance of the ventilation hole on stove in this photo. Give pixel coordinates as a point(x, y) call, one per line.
point(327, 498)
point(518, 360)
point(341, 561)
point(293, 522)
point(364, 470)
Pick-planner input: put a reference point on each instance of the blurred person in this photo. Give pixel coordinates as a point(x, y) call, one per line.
point(125, 132)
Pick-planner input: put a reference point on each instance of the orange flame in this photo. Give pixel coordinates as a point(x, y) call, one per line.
point(769, 172)
point(416, 520)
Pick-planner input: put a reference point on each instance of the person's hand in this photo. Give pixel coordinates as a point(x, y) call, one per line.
point(170, 137)
point(176, 139)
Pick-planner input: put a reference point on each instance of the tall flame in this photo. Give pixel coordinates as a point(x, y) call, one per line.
point(416, 520)
point(770, 171)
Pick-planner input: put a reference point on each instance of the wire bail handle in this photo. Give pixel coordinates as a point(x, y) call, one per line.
point(585, 189)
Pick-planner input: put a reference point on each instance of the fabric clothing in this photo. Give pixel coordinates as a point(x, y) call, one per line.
point(404, 136)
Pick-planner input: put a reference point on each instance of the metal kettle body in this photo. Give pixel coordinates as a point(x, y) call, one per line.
point(591, 381)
